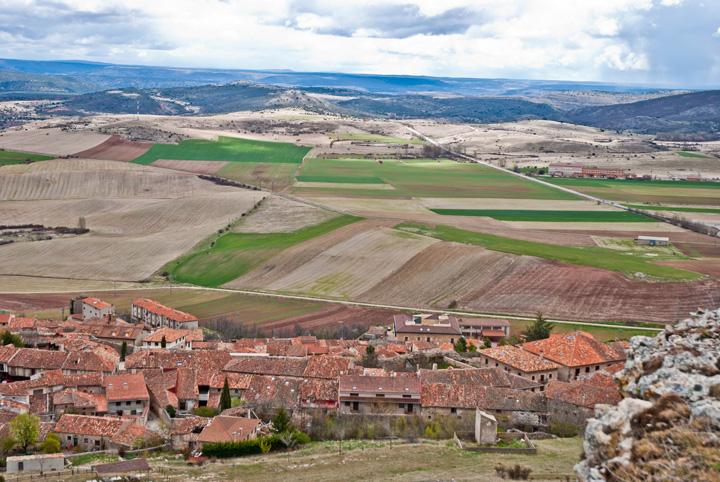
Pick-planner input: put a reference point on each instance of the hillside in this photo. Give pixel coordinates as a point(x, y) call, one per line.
point(696, 114)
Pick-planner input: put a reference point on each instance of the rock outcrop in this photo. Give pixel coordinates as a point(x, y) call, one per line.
point(668, 425)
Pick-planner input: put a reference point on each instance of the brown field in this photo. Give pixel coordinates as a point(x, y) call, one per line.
point(116, 149)
point(351, 267)
point(137, 216)
point(54, 142)
point(198, 167)
point(281, 215)
point(708, 266)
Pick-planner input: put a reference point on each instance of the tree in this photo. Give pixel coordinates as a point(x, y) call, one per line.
point(539, 330)
point(171, 411)
point(370, 359)
point(163, 342)
point(225, 400)
point(472, 348)
point(123, 351)
point(461, 345)
point(281, 422)
point(11, 339)
point(51, 444)
point(487, 343)
point(25, 429)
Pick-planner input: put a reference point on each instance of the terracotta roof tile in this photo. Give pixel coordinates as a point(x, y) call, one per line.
point(127, 386)
point(38, 359)
point(228, 429)
point(443, 395)
point(388, 385)
point(162, 310)
point(96, 303)
point(582, 394)
point(88, 425)
point(575, 349)
point(519, 359)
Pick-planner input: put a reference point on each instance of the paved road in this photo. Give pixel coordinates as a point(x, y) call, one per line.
point(475, 314)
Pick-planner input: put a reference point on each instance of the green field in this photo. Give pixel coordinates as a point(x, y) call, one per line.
point(682, 209)
point(691, 154)
point(226, 149)
point(420, 178)
point(16, 157)
point(636, 191)
point(268, 175)
point(627, 263)
point(231, 255)
point(549, 216)
point(341, 179)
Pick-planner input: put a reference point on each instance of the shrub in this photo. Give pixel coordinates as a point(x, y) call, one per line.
point(205, 411)
point(254, 446)
point(516, 472)
point(564, 430)
point(171, 411)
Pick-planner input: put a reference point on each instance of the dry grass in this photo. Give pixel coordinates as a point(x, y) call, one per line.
point(280, 215)
point(50, 141)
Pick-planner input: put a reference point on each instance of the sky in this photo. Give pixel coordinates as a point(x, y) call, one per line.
point(674, 43)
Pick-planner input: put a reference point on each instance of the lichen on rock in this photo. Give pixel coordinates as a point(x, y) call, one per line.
point(668, 425)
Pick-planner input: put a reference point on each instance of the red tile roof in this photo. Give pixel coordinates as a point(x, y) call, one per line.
point(228, 429)
point(519, 359)
point(96, 303)
point(89, 362)
point(38, 359)
point(575, 349)
point(162, 310)
point(171, 335)
point(318, 390)
point(388, 385)
point(80, 399)
point(127, 386)
point(582, 394)
point(186, 387)
point(443, 395)
point(89, 425)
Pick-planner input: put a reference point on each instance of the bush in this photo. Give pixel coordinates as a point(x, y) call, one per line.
point(254, 446)
point(516, 472)
point(171, 411)
point(205, 411)
point(564, 430)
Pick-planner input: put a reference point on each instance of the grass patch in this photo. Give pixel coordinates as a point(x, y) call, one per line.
point(92, 458)
point(226, 149)
point(8, 158)
point(270, 175)
point(341, 179)
point(229, 256)
point(571, 181)
point(682, 209)
point(549, 216)
point(691, 154)
point(422, 178)
point(626, 263)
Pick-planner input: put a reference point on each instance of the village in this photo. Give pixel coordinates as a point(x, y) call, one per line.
point(95, 382)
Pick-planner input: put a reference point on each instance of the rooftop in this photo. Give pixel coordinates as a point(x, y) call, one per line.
point(88, 425)
point(391, 385)
point(225, 428)
point(127, 386)
point(575, 349)
point(519, 359)
point(427, 324)
point(162, 310)
point(97, 303)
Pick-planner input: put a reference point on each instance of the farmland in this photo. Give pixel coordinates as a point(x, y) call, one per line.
point(679, 209)
point(14, 157)
point(418, 178)
point(226, 149)
point(137, 216)
point(664, 192)
point(595, 257)
point(548, 216)
point(231, 255)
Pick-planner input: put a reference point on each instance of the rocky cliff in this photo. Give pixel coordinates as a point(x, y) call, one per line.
point(668, 425)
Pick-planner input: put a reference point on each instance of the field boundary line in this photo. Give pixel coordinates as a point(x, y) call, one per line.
point(362, 304)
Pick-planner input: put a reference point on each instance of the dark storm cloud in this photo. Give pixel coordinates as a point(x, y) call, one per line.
point(678, 42)
point(384, 21)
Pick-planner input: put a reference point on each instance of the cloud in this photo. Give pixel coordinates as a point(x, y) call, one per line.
point(646, 41)
point(378, 20)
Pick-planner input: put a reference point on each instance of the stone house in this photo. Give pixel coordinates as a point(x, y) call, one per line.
point(225, 428)
point(519, 362)
point(157, 315)
point(44, 463)
point(431, 328)
point(127, 395)
point(379, 395)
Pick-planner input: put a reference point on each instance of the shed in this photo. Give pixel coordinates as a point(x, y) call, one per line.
point(485, 427)
point(652, 240)
point(35, 463)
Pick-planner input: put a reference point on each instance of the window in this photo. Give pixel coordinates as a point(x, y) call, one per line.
point(428, 339)
point(587, 369)
point(577, 372)
point(401, 405)
point(597, 367)
point(533, 378)
point(452, 340)
point(85, 440)
point(380, 395)
point(97, 443)
point(353, 394)
point(406, 338)
point(347, 404)
point(127, 403)
point(550, 376)
point(453, 410)
point(21, 466)
point(487, 360)
point(406, 395)
point(356, 406)
point(542, 378)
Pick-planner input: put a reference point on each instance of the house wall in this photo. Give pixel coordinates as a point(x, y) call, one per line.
point(428, 337)
point(85, 442)
point(89, 312)
point(563, 412)
point(39, 463)
point(540, 377)
point(579, 372)
point(127, 407)
point(370, 406)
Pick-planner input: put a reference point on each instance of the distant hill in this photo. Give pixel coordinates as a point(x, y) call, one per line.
point(683, 116)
